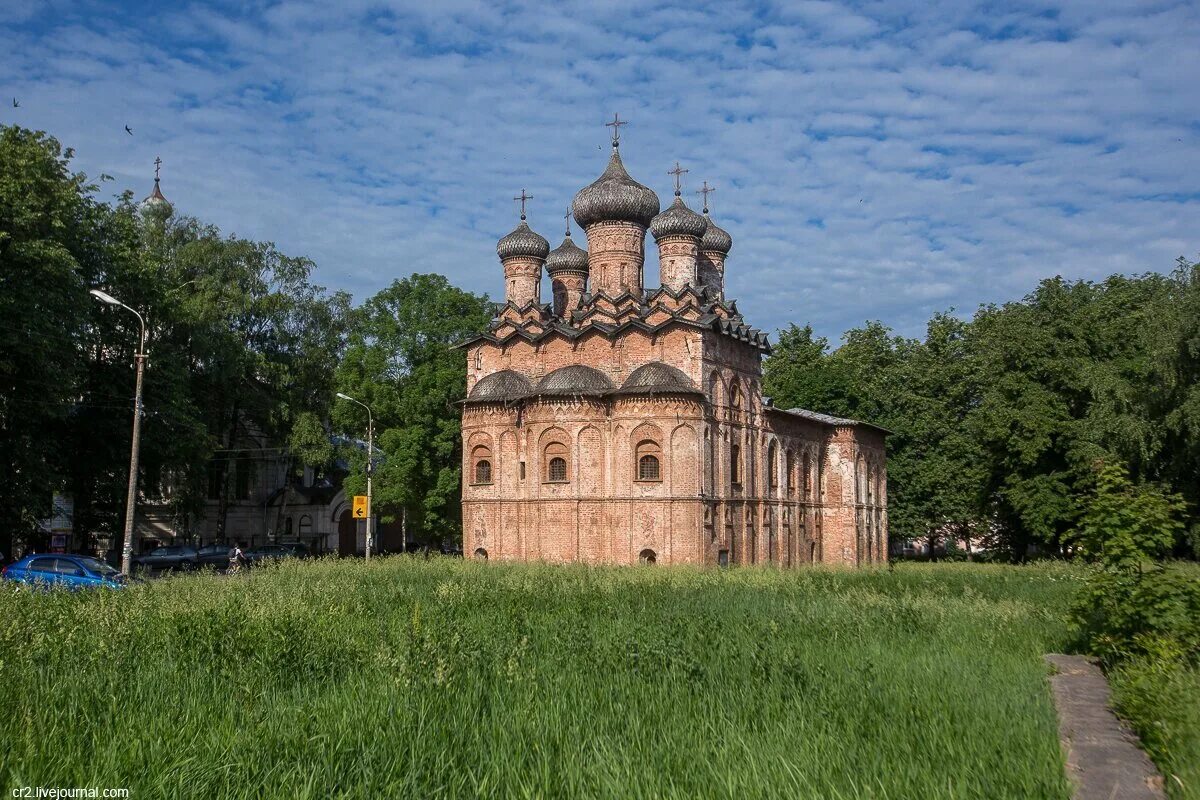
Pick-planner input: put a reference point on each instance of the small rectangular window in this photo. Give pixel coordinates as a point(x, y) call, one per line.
point(522, 470)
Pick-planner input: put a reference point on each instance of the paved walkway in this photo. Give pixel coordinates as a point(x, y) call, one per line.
point(1103, 759)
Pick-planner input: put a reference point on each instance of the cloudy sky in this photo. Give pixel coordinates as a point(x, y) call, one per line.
point(873, 160)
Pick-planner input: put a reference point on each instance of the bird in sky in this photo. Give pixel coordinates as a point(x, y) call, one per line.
point(15, 103)
point(129, 130)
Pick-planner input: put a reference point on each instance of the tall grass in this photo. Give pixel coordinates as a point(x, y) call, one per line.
point(412, 678)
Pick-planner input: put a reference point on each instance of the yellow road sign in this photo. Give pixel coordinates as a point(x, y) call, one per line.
point(360, 506)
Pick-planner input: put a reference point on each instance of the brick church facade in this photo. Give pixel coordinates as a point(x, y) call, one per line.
point(624, 421)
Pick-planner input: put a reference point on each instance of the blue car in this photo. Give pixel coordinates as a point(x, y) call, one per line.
point(50, 570)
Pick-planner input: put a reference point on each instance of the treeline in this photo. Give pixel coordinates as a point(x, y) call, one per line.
point(240, 341)
point(1003, 423)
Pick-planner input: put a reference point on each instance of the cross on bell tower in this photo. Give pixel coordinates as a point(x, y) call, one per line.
point(677, 172)
point(616, 124)
point(706, 190)
point(567, 217)
point(523, 197)
point(157, 165)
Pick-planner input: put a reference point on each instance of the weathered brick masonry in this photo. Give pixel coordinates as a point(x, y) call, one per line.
point(624, 424)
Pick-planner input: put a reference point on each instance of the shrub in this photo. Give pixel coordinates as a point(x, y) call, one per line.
point(1132, 604)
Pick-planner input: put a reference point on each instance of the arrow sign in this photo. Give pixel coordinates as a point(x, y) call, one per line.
point(361, 510)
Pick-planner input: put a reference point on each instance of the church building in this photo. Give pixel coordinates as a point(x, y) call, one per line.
point(624, 421)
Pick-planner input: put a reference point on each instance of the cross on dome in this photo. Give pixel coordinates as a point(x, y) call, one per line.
point(616, 124)
point(706, 190)
point(523, 198)
point(677, 172)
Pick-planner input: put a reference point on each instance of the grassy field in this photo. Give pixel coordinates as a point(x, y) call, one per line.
point(410, 678)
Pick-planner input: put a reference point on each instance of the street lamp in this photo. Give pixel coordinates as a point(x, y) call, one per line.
point(131, 497)
point(370, 467)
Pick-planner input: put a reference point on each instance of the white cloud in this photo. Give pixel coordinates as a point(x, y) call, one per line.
point(880, 161)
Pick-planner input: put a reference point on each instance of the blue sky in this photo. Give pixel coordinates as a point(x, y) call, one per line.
point(873, 160)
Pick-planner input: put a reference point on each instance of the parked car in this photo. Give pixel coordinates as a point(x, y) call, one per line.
point(214, 555)
point(71, 572)
point(168, 558)
point(275, 552)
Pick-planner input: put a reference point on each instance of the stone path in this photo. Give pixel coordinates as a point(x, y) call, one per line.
point(1103, 759)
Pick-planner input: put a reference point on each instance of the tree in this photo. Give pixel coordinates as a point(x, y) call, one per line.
point(48, 229)
point(400, 361)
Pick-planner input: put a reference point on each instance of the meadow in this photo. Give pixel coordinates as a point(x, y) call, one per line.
point(418, 678)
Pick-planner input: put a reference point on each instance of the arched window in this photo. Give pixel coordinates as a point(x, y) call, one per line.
point(480, 554)
point(648, 469)
point(560, 298)
point(772, 467)
point(735, 399)
point(556, 462)
point(305, 526)
point(481, 464)
point(649, 460)
point(807, 478)
point(647, 556)
point(789, 467)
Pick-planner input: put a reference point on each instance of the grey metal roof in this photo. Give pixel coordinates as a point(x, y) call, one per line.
point(715, 238)
point(828, 419)
point(522, 242)
point(500, 386)
point(615, 196)
point(577, 379)
point(656, 377)
point(567, 257)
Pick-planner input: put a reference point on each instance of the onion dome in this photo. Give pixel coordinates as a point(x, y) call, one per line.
point(678, 220)
point(615, 196)
point(500, 386)
point(715, 238)
point(656, 377)
point(567, 257)
point(522, 242)
point(156, 202)
point(576, 379)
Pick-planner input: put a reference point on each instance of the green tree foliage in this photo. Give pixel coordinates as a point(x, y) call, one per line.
point(48, 243)
point(997, 421)
point(238, 339)
point(1134, 604)
point(401, 363)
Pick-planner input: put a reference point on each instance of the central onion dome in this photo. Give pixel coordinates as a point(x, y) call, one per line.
point(615, 196)
point(577, 379)
point(678, 220)
point(715, 238)
point(522, 242)
point(567, 257)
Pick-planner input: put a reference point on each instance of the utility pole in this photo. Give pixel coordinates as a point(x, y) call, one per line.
point(131, 496)
point(370, 471)
point(370, 468)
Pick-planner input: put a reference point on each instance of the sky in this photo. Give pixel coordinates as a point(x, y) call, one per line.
point(873, 161)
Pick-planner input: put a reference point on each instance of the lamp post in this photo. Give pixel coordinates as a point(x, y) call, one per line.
point(131, 497)
point(370, 467)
